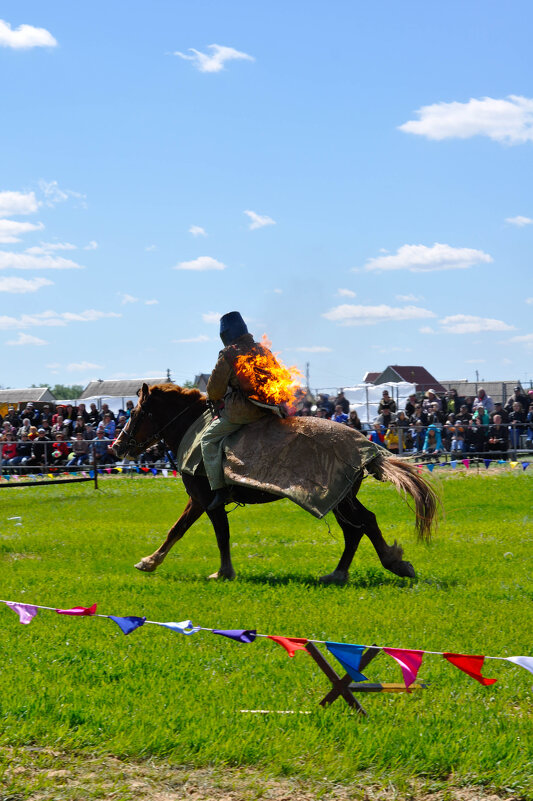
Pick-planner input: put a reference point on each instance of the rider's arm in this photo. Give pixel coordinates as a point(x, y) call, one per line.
point(218, 380)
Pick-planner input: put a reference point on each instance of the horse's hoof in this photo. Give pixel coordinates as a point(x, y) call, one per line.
point(222, 575)
point(337, 577)
point(146, 566)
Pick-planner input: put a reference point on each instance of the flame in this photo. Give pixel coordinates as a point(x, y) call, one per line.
point(266, 379)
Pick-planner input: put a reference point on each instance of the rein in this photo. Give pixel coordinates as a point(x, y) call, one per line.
point(153, 437)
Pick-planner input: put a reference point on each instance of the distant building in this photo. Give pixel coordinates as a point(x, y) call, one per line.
point(499, 391)
point(412, 374)
point(116, 393)
point(200, 381)
point(20, 397)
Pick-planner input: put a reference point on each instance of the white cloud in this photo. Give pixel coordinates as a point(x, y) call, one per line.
point(52, 319)
point(54, 194)
point(312, 349)
point(409, 298)
point(200, 338)
point(24, 37)
point(28, 261)
point(278, 291)
point(26, 339)
point(201, 264)
point(258, 220)
point(519, 221)
point(23, 285)
point(346, 293)
point(49, 247)
point(151, 302)
point(17, 203)
point(150, 248)
point(11, 230)
point(214, 62)
point(93, 245)
point(392, 349)
point(423, 259)
point(427, 329)
point(127, 298)
point(475, 361)
point(370, 315)
point(197, 230)
point(524, 339)
point(83, 366)
point(503, 120)
point(529, 301)
point(211, 317)
point(469, 324)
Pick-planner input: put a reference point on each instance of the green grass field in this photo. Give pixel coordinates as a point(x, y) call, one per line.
point(77, 689)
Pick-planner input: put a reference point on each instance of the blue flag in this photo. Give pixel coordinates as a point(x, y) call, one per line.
point(453, 463)
point(128, 624)
point(349, 656)
point(431, 467)
point(486, 462)
point(239, 635)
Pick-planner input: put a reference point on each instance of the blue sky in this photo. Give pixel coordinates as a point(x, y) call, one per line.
point(354, 178)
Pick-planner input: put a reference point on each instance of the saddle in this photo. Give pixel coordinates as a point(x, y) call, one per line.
point(311, 461)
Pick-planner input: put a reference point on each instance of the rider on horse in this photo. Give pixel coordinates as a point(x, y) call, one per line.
point(230, 398)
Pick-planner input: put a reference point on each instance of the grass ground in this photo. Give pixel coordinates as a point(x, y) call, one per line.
point(103, 709)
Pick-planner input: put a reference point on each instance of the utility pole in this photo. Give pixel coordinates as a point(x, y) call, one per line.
point(169, 379)
point(307, 375)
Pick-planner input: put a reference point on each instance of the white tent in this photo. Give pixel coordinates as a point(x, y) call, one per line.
point(365, 398)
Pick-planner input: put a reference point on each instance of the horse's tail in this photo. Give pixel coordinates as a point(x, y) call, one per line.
point(407, 480)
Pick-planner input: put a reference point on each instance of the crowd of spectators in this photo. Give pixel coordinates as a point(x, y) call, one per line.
point(430, 425)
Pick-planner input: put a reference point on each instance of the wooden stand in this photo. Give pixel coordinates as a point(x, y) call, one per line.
point(346, 687)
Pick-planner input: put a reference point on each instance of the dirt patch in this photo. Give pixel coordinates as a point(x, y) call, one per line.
point(45, 775)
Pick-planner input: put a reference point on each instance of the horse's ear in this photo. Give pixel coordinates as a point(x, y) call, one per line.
point(143, 393)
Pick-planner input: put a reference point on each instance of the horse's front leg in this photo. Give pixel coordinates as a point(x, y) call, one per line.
point(190, 515)
point(219, 519)
point(390, 556)
point(353, 531)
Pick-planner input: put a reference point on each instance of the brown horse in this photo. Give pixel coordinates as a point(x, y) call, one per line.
point(165, 411)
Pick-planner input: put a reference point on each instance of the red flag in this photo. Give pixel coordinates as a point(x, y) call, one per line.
point(81, 611)
point(471, 665)
point(291, 644)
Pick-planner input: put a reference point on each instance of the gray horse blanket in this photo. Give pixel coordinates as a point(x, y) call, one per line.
point(311, 461)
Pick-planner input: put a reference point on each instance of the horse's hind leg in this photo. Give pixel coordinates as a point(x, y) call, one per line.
point(390, 556)
point(190, 515)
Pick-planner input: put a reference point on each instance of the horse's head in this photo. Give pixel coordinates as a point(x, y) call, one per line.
point(157, 409)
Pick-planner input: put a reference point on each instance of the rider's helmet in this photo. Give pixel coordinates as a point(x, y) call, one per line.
point(232, 326)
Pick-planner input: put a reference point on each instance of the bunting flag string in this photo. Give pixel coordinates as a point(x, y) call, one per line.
point(348, 654)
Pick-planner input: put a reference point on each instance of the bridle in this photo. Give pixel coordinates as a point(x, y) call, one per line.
point(130, 434)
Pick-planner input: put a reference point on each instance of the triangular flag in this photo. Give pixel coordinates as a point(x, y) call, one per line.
point(409, 662)
point(524, 661)
point(174, 473)
point(513, 464)
point(137, 469)
point(431, 467)
point(118, 469)
point(466, 463)
point(453, 463)
point(128, 624)
point(486, 462)
point(91, 473)
point(502, 461)
point(185, 627)
point(108, 470)
point(471, 665)
point(239, 635)
point(525, 465)
point(84, 474)
point(145, 469)
point(80, 611)
point(291, 644)
point(25, 612)
point(6, 477)
point(50, 475)
point(165, 472)
point(349, 656)
point(154, 471)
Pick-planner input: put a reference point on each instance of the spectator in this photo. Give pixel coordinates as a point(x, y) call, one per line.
point(431, 397)
point(325, 403)
point(418, 435)
point(94, 415)
point(33, 433)
point(529, 430)
point(25, 427)
point(517, 419)
point(498, 436)
point(498, 409)
point(82, 412)
point(475, 437)
point(90, 433)
point(9, 449)
point(102, 448)
point(339, 416)
point(79, 428)
point(377, 434)
point(392, 442)
point(482, 414)
point(70, 413)
point(435, 417)
point(432, 442)
point(80, 451)
point(354, 421)
point(452, 401)
point(386, 417)
point(12, 417)
point(60, 450)
point(23, 450)
point(129, 408)
point(517, 397)
point(106, 410)
point(410, 405)
point(457, 444)
point(121, 422)
point(464, 415)
point(39, 449)
point(46, 414)
point(59, 426)
point(340, 400)
point(386, 403)
point(31, 413)
point(109, 426)
point(483, 400)
point(419, 414)
point(152, 455)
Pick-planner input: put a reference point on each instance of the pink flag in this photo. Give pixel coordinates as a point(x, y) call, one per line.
point(80, 611)
point(466, 463)
point(25, 612)
point(291, 644)
point(470, 665)
point(409, 661)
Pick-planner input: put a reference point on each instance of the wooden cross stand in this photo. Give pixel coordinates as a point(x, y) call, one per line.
point(346, 687)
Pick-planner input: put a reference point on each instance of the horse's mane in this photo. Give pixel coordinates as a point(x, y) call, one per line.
point(193, 395)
